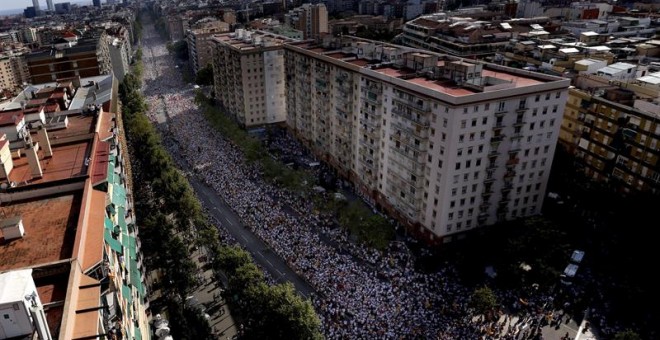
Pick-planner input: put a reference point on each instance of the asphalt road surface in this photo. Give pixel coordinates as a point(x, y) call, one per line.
point(261, 253)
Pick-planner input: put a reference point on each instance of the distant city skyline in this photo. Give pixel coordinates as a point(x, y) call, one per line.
point(6, 5)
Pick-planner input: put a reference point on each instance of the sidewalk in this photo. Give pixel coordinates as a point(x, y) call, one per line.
point(209, 296)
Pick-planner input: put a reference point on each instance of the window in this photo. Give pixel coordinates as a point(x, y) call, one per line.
point(463, 124)
point(472, 136)
point(487, 106)
point(444, 122)
point(456, 179)
point(557, 95)
point(547, 96)
point(546, 149)
point(537, 98)
point(552, 122)
point(469, 151)
point(452, 204)
point(482, 135)
point(465, 110)
point(476, 175)
point(450, 216)
point(474, 122)
point(459, 152)
point(480, 148)
point(534, 112)
point(464, 190)
point(458, 165)
point(554, 108)
point(468, 163)
point(501, 106)
point(461, 138)
point(478, 162)
point(484, 121)
point(439, 163)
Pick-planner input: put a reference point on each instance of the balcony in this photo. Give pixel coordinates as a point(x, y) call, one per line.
point(515, 148)
point(510, 174)
point(489, 179)
point(522, 108)
point(419, 121)
point(373, 88)
point(497, 138)
point(519, 122)
point(512, 161)
point(418, 104)
point(507, 187)
point(493, 153)
point(372, 123)
point(516, 135)
point(486, 193)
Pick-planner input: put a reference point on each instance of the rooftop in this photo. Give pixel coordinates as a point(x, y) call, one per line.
point(49, 231)
point(68, 161)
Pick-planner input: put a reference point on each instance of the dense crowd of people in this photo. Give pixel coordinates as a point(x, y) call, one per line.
point(361, 293)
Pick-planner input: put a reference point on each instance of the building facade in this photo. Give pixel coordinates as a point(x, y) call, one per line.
point(444, 145)
point(85, 58)
point(66, 216)
point(13, 69)
point(311, 19)
point(248, 69)
point(199, 37)
point(614, 136)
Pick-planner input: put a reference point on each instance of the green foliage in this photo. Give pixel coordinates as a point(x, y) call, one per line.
point(627, 335)
point(369, 228)
point(230, 259)
point(281, 314)
point(205, 76)
point(483, 300)
point(138, 54)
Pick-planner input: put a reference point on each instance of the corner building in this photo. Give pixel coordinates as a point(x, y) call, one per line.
point(444, 144)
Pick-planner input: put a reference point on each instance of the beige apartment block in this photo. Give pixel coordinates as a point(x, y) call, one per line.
point(249, 76)
point(200, 49)
point(444, 144)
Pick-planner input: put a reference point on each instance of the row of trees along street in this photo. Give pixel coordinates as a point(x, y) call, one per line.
point(171, 220)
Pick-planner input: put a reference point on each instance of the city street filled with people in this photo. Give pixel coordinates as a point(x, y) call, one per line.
point(361, 293)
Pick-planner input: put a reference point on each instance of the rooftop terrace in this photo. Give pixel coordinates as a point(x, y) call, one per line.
point(49, 231)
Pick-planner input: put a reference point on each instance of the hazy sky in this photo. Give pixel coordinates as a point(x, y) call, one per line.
point(11, 4)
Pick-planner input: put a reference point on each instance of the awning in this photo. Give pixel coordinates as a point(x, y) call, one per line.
point(126, 293)
point(114, 244)
point(118, 195)
point(121, 219)
point(108, 224)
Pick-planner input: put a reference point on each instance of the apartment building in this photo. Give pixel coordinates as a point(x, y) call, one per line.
point(248, 69)
point(70, 251)
point(70, 57)
point(13, 69)
point(613, 131)
point(311, 19)
point(444, 144)
point(199, 37)
point(468, 37)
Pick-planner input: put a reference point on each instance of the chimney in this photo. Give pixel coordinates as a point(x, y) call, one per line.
point(12, 228)
point(6, 161)
point(33, 159)
point(96, 84)
point(44, 141)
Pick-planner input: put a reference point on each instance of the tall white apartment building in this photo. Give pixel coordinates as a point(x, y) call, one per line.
point(248, 70)
point(444, 144)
